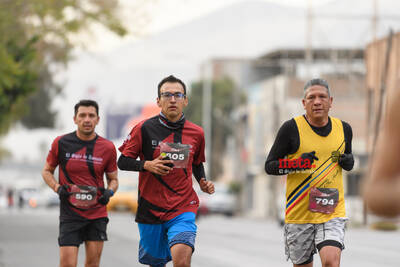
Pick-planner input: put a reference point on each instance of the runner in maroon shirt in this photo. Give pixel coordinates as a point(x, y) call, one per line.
point(167, 200)
point(83, 158)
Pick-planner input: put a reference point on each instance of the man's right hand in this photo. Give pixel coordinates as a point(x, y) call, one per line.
point(63, 193)
point(310, 156)
point(158, 166)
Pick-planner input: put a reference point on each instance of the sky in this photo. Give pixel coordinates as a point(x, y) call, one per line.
point(164, 14)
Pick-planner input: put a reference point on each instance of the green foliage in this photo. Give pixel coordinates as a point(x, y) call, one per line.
point(223, 93)
point(235, 187)
point(17, 79)
point(36, 34)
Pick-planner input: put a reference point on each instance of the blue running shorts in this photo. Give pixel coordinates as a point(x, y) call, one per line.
point(157, 239)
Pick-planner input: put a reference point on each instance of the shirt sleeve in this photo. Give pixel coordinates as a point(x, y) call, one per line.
point(199, 155)
point(198, 171)
point(348, 137)
point(133, 143)
point(287, 142)
point(112, 160)
point(52, 157)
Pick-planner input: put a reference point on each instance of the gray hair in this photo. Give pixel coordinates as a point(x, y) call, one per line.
point(317, 81)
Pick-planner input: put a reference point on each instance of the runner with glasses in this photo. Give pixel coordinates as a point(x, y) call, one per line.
point(170, 149)
point(312, 150)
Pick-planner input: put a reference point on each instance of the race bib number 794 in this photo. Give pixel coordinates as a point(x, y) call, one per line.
point(323, 200)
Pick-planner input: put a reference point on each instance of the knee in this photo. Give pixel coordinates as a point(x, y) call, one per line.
point(181, 263)
point(66, 263)
point(92, 263)
point(332, 261)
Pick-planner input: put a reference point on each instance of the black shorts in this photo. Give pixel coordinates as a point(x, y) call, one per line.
point(74, 233)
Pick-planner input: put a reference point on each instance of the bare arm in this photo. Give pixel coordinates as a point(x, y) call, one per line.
point(48, 177)
point(206, 186)
point(382, 187)
point(112, 181)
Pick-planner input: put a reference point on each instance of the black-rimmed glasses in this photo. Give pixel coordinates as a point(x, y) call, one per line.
point(176, 95)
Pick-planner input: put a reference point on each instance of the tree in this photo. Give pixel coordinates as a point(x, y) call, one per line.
point(222, 105)
point(36, 35)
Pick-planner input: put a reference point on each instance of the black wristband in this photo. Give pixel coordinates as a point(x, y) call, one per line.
point(198, 171)
point(130, 164)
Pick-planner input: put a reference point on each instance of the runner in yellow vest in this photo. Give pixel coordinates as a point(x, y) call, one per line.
point(312, 150)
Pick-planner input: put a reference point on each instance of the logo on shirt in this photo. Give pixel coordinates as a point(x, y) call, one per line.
point(84, 157)
point(298, 165)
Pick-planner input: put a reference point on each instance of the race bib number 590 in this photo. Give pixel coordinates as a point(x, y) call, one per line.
point(83, 196)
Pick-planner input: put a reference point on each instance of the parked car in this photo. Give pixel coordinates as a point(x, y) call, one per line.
point(27, 196)
point(37, 197)
point(223, 201)
point(48, 198)
point(125, 198)
point(203, 197)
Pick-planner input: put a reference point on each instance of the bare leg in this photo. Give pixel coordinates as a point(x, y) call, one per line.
point(303, 265)
point(93, 253)
point(330, 256)
point(68, 256)
point(181, 255)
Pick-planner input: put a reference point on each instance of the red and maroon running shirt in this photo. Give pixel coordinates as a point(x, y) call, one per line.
point(162, 198)
point(82, 163)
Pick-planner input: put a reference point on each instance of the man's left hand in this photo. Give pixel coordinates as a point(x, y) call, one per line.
point(346, 161)
point(207, 186)
point(105, 197)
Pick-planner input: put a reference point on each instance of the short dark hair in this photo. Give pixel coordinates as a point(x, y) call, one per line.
point(87, 103)
point(317, 81)
point(171, 79)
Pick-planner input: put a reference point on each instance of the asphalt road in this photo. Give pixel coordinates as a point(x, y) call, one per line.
point(29, 238)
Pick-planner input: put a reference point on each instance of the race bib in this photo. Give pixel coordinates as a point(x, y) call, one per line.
point(179, 153)
point(323, 200)
point(83, 196)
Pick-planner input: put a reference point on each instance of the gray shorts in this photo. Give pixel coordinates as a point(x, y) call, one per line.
point(303, 240)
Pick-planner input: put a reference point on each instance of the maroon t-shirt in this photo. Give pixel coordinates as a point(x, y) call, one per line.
point(162, 198)
point(82, 163)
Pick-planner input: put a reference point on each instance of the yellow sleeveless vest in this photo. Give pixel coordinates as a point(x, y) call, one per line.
point(325, 173)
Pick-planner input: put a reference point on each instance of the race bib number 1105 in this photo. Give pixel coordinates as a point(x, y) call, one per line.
point(179, 153)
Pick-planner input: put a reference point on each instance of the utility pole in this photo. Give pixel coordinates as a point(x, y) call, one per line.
point(206, 115)
point(375, 20)
point(371, 94)
point(309, 55)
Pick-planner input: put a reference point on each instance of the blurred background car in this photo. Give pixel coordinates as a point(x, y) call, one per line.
point(125, 198)
point(35, 197)
point(203, 197)
point(48, 198)
point(223, 201)
point(27, 196)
